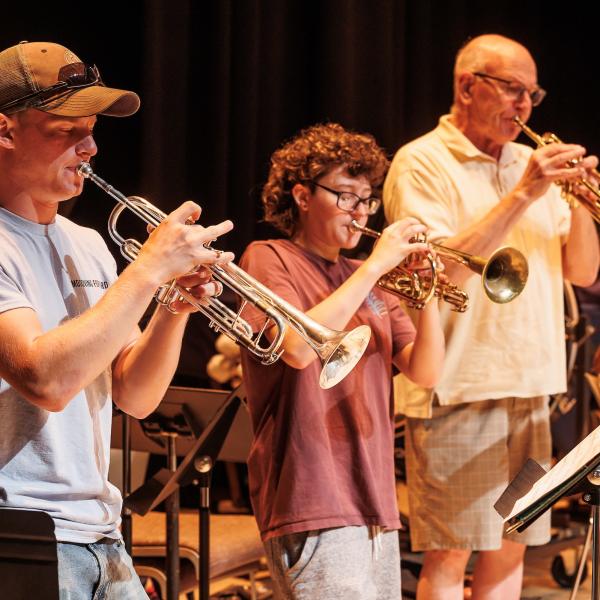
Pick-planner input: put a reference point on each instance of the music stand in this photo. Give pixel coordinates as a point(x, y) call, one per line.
point(217, 440)
point(188, 411)
point(28, 559)
point(577, 472)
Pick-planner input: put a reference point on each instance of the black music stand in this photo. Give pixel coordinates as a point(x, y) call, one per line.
point(218, 439)
point(28, 560)
point(533, 492)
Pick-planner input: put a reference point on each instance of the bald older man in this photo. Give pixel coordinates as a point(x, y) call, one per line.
point(476, 189)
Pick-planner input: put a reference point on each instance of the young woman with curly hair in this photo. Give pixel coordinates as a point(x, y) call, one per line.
point(321, 464)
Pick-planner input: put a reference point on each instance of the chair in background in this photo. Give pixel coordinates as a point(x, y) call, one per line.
point(235, 549)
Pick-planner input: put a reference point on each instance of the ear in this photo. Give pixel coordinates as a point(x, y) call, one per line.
point(6, 127)
point(301, 195)
point(465, 83)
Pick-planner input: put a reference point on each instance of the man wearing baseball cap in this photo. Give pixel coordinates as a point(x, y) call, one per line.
point(70, 345)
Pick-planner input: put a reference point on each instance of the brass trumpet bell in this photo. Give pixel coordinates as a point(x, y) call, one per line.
point(503, 275)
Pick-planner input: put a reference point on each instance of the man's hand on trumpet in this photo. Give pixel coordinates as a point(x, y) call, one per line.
point(177, 249)
point(581, 193)
point(554, 163)
point(199, 284)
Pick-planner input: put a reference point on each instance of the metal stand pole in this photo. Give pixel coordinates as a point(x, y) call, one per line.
point(595, 549)
point(203, 465)
point(126, 518)
point(592, 497)
point(582, 560)
point(172, 517)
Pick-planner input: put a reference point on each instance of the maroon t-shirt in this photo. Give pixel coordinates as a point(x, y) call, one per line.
point(322, 458)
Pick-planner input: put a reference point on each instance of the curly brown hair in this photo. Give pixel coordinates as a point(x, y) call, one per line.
point(311, 154)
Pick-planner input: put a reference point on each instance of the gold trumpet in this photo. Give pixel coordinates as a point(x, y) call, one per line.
point(503, 276)
point(569, 188)
point(339, 351)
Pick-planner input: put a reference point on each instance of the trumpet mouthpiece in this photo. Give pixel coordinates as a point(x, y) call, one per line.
point(354, 226)
point(84, 169)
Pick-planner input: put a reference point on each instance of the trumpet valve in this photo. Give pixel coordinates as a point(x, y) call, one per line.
point(453, 295)
point(167, 294)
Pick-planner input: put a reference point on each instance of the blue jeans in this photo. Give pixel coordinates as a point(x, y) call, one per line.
point(97, 572)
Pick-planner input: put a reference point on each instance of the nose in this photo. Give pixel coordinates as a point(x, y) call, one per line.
point(87, 148)
point(523, 107)
point(360, 209)
point(523, 98)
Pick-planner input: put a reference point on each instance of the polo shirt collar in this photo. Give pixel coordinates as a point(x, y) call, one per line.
point(461, 146)
point(457, 142)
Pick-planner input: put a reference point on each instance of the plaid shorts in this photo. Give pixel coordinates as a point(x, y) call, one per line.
point(461, 460)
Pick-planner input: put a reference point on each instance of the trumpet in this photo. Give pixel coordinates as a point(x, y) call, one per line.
point(338, 351)
point(503, 276)
point(568, 188)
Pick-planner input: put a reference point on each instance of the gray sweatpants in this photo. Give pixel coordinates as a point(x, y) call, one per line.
point(349, 563)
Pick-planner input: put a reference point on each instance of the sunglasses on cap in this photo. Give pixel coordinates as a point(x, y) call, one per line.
point(72, 76)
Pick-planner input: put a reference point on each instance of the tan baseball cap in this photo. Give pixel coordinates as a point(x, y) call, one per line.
point(50, 78)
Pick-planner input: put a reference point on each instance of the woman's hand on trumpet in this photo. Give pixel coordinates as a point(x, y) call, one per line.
point(395, 244)
point(177, 248)
point(419, 262)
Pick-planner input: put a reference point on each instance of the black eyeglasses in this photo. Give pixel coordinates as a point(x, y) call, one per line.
point(70, 77)
point(516, 91)
point(349, 201)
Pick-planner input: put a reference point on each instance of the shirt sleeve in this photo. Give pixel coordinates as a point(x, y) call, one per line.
point(265, 263)
point(11, 294)
point(416, 188)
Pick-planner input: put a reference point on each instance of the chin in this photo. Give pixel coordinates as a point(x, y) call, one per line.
point(65, 193)
point(515, 130)
point(349, 243)
point(71, 186)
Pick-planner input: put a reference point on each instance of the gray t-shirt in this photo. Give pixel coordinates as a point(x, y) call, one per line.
point(57, 461)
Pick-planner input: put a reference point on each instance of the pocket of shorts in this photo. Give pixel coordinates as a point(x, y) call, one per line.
point(298, 549)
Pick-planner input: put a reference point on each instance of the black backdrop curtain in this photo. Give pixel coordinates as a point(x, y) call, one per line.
point(224, 82)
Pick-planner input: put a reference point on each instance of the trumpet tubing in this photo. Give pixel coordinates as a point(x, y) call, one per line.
point(569, 189)
point(503, 276)
point(416, 290)
point(339, 351)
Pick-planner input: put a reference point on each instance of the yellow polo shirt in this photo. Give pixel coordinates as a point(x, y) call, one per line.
point(492, 350)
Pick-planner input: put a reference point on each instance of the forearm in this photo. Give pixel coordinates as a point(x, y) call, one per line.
point(334, 312)
point(49, 368)
point(581, 255)
point(144, 371)
point(422, 361)
point(487, 234)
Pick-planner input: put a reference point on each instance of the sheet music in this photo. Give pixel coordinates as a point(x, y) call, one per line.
point(585, 452)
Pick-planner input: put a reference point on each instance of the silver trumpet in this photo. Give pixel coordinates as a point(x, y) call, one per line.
point(503, 276)
point(339, 351)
